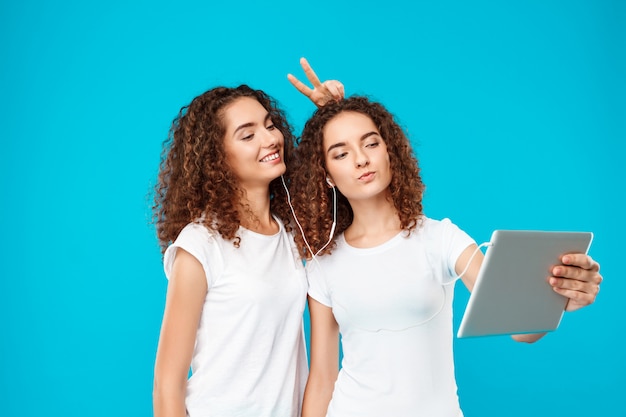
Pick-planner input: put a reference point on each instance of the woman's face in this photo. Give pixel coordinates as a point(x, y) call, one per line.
point(253, 145)
point(356, 156)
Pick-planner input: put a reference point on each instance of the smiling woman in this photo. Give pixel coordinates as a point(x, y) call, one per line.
point(255, 147)
point(226, 249)
point(237, 288)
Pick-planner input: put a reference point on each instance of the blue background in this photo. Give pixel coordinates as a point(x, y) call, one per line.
point(517, 111)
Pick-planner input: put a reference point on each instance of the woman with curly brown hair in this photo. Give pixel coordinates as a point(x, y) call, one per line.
point(383, 281)
point(237, 287)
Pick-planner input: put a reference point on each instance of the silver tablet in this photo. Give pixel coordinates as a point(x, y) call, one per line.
point(512, 294)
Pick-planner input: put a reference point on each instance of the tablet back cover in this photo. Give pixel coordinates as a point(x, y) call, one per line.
point(512, 294)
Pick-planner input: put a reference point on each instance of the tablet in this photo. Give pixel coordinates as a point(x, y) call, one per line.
point(512, 294)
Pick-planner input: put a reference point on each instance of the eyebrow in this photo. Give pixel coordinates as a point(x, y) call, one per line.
point(250, 124)
point(340, 144)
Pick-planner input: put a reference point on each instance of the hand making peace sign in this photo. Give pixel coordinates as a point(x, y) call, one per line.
point(321, 93)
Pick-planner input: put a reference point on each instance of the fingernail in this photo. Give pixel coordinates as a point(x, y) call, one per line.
point(566, 259)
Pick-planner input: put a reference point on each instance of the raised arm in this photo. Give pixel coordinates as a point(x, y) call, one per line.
point(324, 360)
point(322, 92)
point(183, 307)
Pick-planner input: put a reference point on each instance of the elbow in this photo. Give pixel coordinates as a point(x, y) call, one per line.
point(167, 389)
point(528, 338)
point(165, 385)
point(320, 387)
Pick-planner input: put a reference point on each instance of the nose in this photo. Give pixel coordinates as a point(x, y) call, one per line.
point(269, 139)
point(361, 160)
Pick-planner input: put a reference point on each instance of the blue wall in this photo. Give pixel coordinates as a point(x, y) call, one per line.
point(517, 111)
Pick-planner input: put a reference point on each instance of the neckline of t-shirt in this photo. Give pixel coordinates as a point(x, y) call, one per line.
point(258, 235)
point(390, 243)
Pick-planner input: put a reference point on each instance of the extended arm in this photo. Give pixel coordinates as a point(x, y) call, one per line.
point(578, 279)
point(324, 360)
point(186, 292)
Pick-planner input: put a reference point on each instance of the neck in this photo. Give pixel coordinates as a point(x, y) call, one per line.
point(375, 221)
point(254, 211)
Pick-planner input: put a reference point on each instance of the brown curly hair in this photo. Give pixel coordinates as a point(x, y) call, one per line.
point(311, 196)
point(195, 181)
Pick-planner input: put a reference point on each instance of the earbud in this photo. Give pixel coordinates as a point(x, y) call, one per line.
point(330, 184)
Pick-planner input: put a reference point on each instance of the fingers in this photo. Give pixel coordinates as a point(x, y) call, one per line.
point(310, 74)
point(580, 260)
point(568, 284)
point(579, 280)
point(577, 299)
point(576, 279)
point(335, 88)
point(578, 267)
point(578, 274)
point(321, 93)
point(300, 86)
point(579, 293)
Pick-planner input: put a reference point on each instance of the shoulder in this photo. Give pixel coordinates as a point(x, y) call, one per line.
point(197, 240)
point(429, 229)
point(196, 234)
point(429, 223)
point(195, 229)
point(443, 234)
point(338, 260)
point(433, 228)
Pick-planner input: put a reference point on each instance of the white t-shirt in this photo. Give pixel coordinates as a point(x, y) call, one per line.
point(393, 304)
point(249, 359)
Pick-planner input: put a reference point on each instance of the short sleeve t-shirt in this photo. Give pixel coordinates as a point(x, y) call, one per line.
point(250, 357)
point(393, 304)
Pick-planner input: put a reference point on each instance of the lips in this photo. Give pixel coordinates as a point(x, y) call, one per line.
point(271, 157)
point(367, 176)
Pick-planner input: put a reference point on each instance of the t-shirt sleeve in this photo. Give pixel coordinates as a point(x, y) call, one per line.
point(453, 241)
point(318, 289)
point(201, 244)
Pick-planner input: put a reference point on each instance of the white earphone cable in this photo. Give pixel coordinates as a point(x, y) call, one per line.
point(332, 229)
point(472, 258)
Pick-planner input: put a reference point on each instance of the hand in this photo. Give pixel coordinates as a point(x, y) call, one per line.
point(577, 279)
point(321, 93)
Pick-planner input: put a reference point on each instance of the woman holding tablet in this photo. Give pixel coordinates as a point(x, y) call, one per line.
point(381, 273)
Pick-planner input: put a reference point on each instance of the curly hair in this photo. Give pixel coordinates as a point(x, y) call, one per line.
point(312, 198)
point(195, 180)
